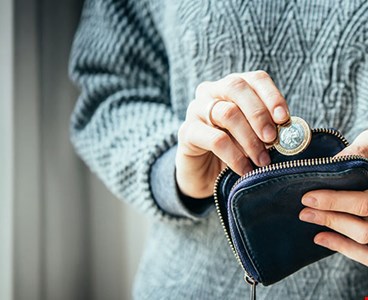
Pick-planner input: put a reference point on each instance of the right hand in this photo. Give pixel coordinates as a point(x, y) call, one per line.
point(243, 121)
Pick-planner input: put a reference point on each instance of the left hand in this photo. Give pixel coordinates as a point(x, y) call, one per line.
point(346, 212)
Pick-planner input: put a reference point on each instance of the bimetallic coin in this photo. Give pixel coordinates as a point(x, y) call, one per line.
point(293, 137)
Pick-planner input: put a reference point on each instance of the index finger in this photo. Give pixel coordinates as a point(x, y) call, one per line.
point(271, 96)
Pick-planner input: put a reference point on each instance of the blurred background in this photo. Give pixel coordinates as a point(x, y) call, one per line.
point(62, 234)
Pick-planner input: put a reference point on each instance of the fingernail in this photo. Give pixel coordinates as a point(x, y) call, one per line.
point(269, 133)
point(322, 242)
point(310, 201)
point(280, 114)
point(307, 216)
point(264, 158)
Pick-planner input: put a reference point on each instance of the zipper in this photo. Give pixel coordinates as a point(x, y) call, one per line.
point(273, 167)
point(297, 163)
point(247, 277)
point(301, 162)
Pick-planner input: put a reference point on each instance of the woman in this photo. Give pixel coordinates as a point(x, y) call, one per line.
point(140, 64)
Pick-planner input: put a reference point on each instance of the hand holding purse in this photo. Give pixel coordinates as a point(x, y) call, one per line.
point(260, 210)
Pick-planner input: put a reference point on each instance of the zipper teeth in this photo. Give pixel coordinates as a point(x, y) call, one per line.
point(333, 132)
point(217, 205)
point(278, 166)
point(302, 162)
point(297, 163)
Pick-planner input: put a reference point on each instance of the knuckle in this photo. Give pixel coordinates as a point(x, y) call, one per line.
point(328, 203)
point(202, 88)
point(258, 113)
point(230, 112)
point(231, 76)
point(183, 131)
point(220, 140)
point(236, 82)
point(363, 208)
point(276, 98)
point(191, 107)
point(236, 161)
point(260, 75)
point(254, 144)
point(363, 236)
point(328, 221)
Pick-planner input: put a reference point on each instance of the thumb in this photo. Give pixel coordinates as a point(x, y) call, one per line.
point(358, 147)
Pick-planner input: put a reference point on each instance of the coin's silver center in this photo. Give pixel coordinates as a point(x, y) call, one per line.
point(291, 137)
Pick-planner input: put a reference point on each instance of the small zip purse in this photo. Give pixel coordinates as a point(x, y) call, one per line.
point(259, 211)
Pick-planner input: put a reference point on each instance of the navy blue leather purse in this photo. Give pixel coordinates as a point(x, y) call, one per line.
point(260, 210)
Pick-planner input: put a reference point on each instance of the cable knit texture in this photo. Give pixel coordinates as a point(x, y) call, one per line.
point(138, 64)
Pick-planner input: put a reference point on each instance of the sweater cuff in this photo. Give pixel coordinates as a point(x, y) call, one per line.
point(167, 194)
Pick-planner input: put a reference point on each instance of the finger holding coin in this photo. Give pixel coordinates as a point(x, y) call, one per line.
point(229, 122)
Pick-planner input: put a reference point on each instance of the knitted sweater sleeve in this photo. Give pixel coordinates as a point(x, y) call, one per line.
point(123, 122)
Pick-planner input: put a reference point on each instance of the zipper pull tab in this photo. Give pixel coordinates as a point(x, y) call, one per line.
point(253, 283)
point(253, 294)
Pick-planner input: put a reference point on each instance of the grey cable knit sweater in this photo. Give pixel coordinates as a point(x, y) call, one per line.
point(138, 64)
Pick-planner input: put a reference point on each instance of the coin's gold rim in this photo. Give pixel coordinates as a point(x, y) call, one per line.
point(303, 145)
